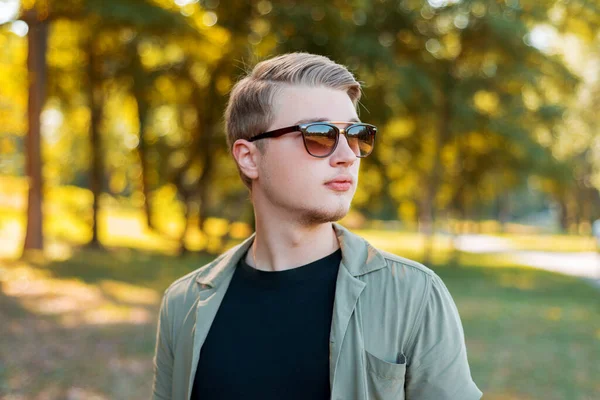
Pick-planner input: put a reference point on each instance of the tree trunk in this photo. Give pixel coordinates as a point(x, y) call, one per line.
point(97, 164)
point(140, 84)
point(563, 214)
point(503, 204)
point(144, 164)
point(443, 135)
point(426, 224)
point(36, 65)
point(186, 225)
point(456, 204)
point(586, 206)
point(206, 152)
point(455, 232)
point(572, 217)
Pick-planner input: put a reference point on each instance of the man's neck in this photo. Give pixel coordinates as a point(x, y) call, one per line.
point(279, 247)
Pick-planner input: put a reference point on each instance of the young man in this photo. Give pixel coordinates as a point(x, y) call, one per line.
point(304, 308)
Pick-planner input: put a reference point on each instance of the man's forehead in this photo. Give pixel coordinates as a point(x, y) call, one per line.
point(301, 104)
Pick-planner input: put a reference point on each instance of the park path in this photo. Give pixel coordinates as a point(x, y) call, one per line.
point(585, 265)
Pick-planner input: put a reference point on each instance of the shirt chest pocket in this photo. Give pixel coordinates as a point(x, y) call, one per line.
point(385, 380)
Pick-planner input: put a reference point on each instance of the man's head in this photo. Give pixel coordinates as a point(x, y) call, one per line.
point(282, 92)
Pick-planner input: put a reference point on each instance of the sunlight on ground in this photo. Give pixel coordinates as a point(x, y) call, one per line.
point(74, 302)
point(406, 240)
point(11, 232)
point(130, 294)
point(552, 243)
point(128, 229)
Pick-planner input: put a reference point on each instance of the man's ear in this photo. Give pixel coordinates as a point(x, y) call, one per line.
point(246, 156)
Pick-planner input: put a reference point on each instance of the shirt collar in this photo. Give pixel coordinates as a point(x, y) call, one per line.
point(358, 257)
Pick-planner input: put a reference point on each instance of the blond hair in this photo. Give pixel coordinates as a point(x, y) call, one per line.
point(249, 110)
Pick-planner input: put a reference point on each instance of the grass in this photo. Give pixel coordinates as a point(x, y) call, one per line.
point(83, 327)
point(530, 334)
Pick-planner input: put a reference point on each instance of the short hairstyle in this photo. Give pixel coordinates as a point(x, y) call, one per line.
point(249, 110)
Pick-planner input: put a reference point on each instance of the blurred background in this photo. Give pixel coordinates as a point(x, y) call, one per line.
point(115, 177)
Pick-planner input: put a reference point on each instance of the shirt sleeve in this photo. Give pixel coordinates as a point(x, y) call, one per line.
point(437, 362)
point(163, 356)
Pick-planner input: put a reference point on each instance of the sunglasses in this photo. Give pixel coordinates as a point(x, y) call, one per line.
point(321, 138)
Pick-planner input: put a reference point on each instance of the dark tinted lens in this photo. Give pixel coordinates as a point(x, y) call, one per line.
point(319, 139)
point(361, 139)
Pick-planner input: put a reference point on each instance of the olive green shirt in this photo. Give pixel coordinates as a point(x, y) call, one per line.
point(395, 331)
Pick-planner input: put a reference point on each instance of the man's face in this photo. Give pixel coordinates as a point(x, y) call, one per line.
point(293, 181)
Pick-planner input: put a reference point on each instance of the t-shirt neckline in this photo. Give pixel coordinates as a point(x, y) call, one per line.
point(313, 270)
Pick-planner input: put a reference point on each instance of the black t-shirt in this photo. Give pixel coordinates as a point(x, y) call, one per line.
point(270, 336)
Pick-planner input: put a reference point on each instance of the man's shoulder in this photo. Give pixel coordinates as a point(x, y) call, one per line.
point(409, 278)
point(183, 282)
point(187, 283)
point(412, 265)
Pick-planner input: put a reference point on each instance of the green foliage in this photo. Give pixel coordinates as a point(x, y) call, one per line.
point(461, 95)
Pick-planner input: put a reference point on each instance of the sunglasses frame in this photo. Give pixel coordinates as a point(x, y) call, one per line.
point(302, 128)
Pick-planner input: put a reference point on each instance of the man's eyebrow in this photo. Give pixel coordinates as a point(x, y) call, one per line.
point(322, 119)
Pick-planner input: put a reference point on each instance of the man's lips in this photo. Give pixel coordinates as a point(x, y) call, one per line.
point(340, 183)
point(339, 186)
point(341, 179)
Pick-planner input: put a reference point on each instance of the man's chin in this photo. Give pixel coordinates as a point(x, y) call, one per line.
point(325, 216)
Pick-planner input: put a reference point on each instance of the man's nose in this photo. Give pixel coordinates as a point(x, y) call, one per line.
point(344, 151)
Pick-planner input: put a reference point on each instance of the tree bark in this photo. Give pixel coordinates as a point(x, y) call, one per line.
point(563, 213)
point(503, 204)
point(206, 122)
point(97, 164)
point(36, 65)
point(186, 226)
point(140, 84)
point(443, 135)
